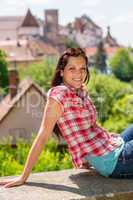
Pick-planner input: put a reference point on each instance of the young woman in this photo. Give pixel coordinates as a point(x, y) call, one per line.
point(70, 111)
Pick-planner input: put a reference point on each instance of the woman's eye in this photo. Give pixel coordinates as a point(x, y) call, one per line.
point(71, 69)
point(83, 69)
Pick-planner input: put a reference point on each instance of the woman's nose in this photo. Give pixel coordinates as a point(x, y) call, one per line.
point(79, 73)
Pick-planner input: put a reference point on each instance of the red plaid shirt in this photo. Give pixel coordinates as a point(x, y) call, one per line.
point(78, 124)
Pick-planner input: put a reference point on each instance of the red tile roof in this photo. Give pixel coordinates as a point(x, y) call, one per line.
point(109, 50)
point(29, 20)
point(14, 22)
point(33, 49)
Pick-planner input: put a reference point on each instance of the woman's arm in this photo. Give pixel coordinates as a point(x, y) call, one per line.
point(52, 112)
point(51, 115)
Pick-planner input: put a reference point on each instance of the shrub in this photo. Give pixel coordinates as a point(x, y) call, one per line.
point(122, 65)
point(13, 159)
point(105, 91)
point(40, 73)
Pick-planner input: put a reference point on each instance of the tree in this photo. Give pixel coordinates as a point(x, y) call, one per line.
point(122, 65)
point(100, 58)
point(105, 91)
point(41, 73)
point(69, 43)
point(121, 115)
point(3, 71)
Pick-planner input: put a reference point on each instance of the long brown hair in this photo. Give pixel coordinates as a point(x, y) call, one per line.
point(58, 79)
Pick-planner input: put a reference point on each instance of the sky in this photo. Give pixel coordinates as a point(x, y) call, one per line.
point(118, 14)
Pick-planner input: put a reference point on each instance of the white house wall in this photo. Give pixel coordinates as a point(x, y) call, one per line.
point(25, 118)
point(8, 34)
point(29, 31)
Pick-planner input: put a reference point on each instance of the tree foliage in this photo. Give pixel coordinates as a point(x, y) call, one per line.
point(122, 114)
point(122, 65)
point(106, 92)
point(3, 71)
point(69, 43)
point(100, 58)
point(41, 73)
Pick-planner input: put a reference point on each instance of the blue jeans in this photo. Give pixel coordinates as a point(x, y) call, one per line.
point(124, 166)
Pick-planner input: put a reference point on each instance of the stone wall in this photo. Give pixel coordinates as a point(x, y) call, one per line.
point(73, 184)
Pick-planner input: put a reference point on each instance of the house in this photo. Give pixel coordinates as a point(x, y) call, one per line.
point(110, 45)
point(110, 41)
point(16, 27)
point(83, 31)
point(27, 51)
point(110, 51)
point(22, 38)
point(22, 109)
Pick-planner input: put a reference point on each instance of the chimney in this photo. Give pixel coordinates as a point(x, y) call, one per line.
point(13, 81)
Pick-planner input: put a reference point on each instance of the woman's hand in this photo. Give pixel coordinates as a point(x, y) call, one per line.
point(12, 182)
point(85, 165)
point(114, 134)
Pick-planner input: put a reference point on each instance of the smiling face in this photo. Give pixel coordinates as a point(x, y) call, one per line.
point(74, 72)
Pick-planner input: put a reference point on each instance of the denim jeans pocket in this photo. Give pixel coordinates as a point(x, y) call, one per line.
point(121, 157)
point(122, 175)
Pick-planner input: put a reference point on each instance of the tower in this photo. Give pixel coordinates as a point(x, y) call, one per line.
point(51, 21)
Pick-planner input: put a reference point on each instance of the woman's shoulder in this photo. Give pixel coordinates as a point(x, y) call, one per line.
point(59, 89)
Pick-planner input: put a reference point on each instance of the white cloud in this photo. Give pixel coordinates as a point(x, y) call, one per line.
point(99, 19)
point(13, 7)
point(37, 3)
point(127, 18)
point(90, 3)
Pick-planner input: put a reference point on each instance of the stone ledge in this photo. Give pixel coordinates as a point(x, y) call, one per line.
point(73, 184)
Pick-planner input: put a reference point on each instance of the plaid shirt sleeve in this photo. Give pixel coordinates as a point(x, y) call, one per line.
point(58, 94)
